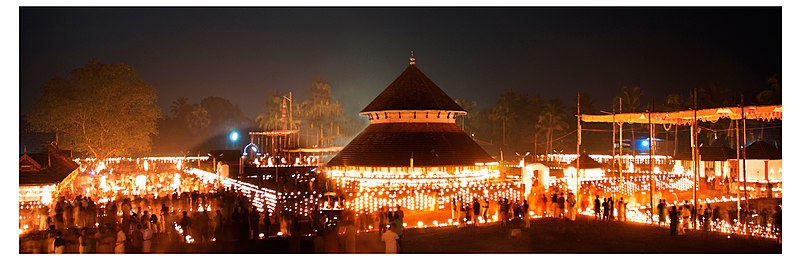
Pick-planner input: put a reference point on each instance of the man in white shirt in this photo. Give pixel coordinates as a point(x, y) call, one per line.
point(147, 234)
point(119, 248)
point(390, 239)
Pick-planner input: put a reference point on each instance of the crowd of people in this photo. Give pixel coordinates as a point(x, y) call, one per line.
point(132, 225)
point(607, 211)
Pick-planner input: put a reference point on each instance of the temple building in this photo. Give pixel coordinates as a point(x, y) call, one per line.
point(412, 153)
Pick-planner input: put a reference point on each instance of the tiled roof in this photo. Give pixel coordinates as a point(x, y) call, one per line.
point(412, 90)
point(762, 150)
point(392, 145)
point(587, 162)
point(709, 154)
point(60, 167)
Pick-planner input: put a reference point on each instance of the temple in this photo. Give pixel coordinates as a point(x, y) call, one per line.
point(411, 144)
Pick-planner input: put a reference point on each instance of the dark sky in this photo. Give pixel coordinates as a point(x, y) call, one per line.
point(243, 53)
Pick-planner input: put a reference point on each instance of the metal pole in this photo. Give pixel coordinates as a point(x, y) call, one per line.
point(619, 162)
point(738, 171)
point(695, 158)
point(578, 152)
point(650, 158)
point(614, 141)
point(744, 165)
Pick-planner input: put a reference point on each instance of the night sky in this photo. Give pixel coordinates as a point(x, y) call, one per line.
point(243, 53)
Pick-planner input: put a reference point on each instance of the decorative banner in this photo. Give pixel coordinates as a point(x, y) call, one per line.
point(685, 117)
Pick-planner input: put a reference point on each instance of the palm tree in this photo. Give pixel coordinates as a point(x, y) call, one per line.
point(272, 117)
point(772, 95)
point(550, 120)
point(179, 107)
point(321, 110)
point(502, 111)
point(198, 118)
point(631, 102)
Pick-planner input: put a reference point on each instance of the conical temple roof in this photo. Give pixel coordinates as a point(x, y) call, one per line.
point(412, 90)
point(587, 162)
point(394, 144)
point(762, 150)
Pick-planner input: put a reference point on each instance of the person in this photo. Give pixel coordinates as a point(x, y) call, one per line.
point(119, 246)
point(82, 241)
point(673, 221)
point(693, 215)
point(382, 217)
point(777, 222)
point(504, 212)
point(485, 209)
point(707, 217)
point(476, 209)
point(202, 227)
point(254, 220)
point(218, 224)
point(605, 209)
point(90, 242)
point(59, 244)
point(349, 236)
point(622, 214)
point(453, 209)
point(561, 205)
point(525, 207)
point(554, 204)
point(399, 213)
point(147, 236)
point(610, 208)
point(662, 212)
point(572, 203)
point(154, 223)
point(186, 223)
point(596, 207)
point(137, 239)
point(389, 239)
point(686, 214)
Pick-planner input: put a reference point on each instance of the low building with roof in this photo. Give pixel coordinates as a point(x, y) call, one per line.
point(41, 173)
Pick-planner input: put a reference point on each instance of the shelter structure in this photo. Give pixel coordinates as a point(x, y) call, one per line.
point(411, 143)
point(41, 173)
point(691, 118)
point(715, 161)
point(764, 161)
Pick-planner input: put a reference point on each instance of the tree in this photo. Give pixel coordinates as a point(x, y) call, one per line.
point(180, 107)
point(272, 117)
point(503, 112)
point(551, 120)
point(101, 109)
point(197, 119)
point(471, 106)
point(631, 102)
point(320, 111)
point(712, 95)
point(772, 95)
point(673, 102)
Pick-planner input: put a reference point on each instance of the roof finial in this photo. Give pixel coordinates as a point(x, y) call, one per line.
point(411, 60)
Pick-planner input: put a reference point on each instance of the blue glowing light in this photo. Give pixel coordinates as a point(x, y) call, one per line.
point(234, 136)
point(645, 143)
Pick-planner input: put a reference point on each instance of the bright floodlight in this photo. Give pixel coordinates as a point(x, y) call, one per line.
point(645, 143)
point(234, 136)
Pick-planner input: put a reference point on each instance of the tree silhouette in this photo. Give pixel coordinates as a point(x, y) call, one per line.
point(102, 109)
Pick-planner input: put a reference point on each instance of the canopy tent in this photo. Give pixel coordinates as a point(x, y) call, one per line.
point(685, 117)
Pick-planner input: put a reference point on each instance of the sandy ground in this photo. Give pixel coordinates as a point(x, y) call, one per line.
point(544, 236)
point(582, 236)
